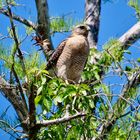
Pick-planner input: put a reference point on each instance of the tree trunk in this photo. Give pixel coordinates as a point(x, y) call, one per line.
point(92, 13)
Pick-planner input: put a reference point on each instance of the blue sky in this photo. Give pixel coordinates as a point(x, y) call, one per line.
point(116, 19)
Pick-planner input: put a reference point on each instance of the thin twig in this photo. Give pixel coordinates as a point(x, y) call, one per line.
point(129, 112)
point(20, 56)
point(133, 82)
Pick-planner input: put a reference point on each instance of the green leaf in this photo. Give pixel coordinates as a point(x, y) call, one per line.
point(47, 103)
point(138, 60)
point(91, 103)
point(127, 68)
point(105, 89)
point(136, 5)
point(29, 30)
point(132, 119)
point(0, 3)
point(38, 99)
point(44, 71)
point(127, 51)
point(73, 134)
point(32, 71)
point(43, 80)
point(39, 90)
point(58, 99)
point(97, 75)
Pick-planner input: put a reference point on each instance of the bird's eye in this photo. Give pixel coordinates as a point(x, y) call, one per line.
point(82, 27)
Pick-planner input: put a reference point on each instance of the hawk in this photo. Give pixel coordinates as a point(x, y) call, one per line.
point(69, 58)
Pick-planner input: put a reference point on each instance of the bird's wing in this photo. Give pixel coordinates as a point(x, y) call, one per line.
point(54, 57)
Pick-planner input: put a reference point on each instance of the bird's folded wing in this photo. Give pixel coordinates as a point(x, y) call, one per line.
point(54, 57)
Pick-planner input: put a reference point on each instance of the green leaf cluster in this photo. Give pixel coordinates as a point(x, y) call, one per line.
point(60, 24)
point(72, 130)
point(92, 70)
point(113, 52)
point(57, 92)
point(136, 5)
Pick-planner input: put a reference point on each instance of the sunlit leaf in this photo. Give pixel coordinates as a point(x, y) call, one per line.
point(39, 90)
point(38, 99)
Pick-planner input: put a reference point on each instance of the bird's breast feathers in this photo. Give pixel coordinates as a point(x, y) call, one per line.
point(72, 59)
point(78, 44)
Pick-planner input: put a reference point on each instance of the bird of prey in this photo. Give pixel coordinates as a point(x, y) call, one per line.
point(69, 58)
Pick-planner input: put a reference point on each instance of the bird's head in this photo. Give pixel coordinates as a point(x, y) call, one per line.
point(81, 29)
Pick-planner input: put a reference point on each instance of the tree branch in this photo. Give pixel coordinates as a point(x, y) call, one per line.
point(45, 123)
point(18, 18)
point(129, 112)
point(32, 114)
point(131, 36)
point(10, 92)
point(43, 27)
point(132, 83)
point(126, 40)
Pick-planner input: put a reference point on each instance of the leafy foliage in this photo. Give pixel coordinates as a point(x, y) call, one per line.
point(113, 52)
point(60, 24)
point(91, 96)
point(54, 99)
point(136, 5)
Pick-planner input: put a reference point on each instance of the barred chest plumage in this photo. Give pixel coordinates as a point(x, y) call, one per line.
point(70, 56)
point(73, 58)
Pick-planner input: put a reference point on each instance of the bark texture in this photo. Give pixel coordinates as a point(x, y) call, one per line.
point(10, 92)
point(43, 27)
point(131, 36)
point(92, 13)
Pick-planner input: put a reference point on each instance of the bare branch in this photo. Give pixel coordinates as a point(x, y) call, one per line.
point(133, 82)
point(45, 123)
point(43, 27)
point(18, 18)
point(10, 92)
point(9, 127)
point(131, 36)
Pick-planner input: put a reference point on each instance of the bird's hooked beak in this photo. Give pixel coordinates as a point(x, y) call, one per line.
point(88, 27)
